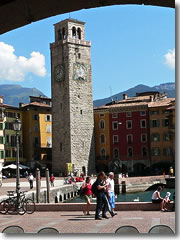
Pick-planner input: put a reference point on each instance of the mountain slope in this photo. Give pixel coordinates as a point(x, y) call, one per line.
point(14, 94)
point(169, 88)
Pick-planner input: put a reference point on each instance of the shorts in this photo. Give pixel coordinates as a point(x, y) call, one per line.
point(111, 200)
point(88, 197)
point(157, 200)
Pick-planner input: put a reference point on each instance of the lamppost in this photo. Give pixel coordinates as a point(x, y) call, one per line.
point(120, 164)
point(17, 127)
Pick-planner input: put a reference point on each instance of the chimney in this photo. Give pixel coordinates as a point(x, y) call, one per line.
point(21, 105)
point(165, 95)
point(151, 98)
point(125, 96)
point(1, 99)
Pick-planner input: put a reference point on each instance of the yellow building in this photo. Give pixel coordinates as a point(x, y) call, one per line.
point(11, 113)
point(102, 138)
point(162, 120)
point(2, 137)
point(37, 131)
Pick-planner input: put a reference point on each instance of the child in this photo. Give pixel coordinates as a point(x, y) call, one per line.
point(52, 180)
point(166, 200)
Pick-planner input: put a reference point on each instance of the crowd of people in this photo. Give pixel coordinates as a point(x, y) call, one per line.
point(103, 190)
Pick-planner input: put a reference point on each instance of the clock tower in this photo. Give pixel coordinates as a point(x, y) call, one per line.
point(72, 102)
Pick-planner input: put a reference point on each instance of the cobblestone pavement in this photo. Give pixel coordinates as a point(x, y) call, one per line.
point(76, 222)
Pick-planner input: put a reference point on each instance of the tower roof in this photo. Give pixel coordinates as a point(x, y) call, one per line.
point(70, 20)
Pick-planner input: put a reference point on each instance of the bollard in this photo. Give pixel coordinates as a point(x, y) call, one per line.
point(123, 187)
point(44, 196)
point(48, 185)
point(37, 185)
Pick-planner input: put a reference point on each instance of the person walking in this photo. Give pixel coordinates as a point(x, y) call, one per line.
point(52, 178)
point(30, 179)
point(100, 195)
point(87, 195)
point(110, 190)
point(107, 196)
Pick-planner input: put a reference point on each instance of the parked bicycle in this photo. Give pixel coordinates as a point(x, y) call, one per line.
point(21, 206)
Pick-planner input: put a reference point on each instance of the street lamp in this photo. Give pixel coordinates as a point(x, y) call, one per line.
point(17, 127)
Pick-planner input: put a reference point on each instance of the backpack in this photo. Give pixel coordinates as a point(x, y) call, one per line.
point(82, 191)
point(94, 188)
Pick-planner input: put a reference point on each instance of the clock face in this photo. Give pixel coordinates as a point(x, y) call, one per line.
point(59, 72)
point(80, 71)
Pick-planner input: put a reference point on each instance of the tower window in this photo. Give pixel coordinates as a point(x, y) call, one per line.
point(102, 139)
point(61, 147)
point(59, 35)
point(74, 32)
point(81, 112)
point(102, 124)
point(79, 33)
point(63, 33)
point(79, 55)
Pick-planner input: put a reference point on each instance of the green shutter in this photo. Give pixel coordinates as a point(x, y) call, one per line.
point(151, 123)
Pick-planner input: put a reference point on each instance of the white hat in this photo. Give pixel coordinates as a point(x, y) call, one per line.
point(168, 194)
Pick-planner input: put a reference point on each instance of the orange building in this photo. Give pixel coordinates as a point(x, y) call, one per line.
point(162, 124)
point(102, 138)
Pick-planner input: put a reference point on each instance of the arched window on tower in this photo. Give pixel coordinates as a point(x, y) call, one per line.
point(64, 33)
point(103, 153)
point(79, 33)
point(74, 32)
point(102, 124)
point(102, 139)
point(59, 34)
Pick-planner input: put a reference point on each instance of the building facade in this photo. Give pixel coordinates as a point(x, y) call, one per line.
point(162, 124)
point(2, 135)
point(11, 113)
point(37, 132)
point(135, 133)
point(72, 103)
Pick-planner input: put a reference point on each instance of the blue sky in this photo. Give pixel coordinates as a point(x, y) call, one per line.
point(131, 45)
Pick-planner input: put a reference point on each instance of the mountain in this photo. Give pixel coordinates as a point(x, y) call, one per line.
point(14, 94)
point(169, 88)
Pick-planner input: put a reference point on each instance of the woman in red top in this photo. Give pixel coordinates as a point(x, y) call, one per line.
point(87, 194)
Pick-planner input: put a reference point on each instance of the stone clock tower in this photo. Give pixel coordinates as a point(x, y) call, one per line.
point(72, 103)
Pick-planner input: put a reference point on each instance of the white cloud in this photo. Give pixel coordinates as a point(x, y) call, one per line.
point(14, 68)
point(170, 58)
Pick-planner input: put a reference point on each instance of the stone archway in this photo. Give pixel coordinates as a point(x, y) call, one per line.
point(35, 10)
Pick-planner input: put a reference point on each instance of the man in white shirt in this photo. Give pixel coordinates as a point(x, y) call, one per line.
point(30, 179)
point(110, 189)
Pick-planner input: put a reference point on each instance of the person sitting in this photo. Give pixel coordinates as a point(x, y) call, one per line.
point(166, 201)
point(156, 198)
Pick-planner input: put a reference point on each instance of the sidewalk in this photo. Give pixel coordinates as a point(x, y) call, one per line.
point(76, 222)
point(9, 184)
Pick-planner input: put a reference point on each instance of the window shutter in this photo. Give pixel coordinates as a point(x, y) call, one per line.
point(163, 122)
point(158, 123)
point(151, 123)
